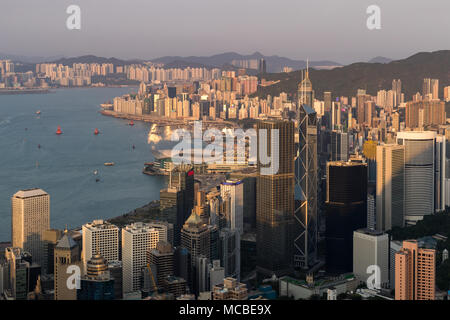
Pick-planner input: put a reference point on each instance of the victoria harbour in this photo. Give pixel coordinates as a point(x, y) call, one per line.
point(71, 166)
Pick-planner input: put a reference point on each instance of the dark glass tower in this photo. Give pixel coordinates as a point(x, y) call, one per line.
point(275, 200)
point(346, 211)
point(306, 184)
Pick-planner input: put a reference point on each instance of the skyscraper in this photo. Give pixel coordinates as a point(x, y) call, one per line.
point(235, 188)
point(30, 219)
point(339, 146)
point(415, 272)
point(305, 91)
point(97, 284)
point(195, 237)
point(419, 173)
point(67, 255)
point(275, 200)
point(346, 211)
point(137, 239)
point(162, 257)
point(371, 248)
point(390, 187)
point(306, 184)
point(262, 66)
point(100, 237)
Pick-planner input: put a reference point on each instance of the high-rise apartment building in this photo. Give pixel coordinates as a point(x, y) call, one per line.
point(137, 239)
point(415, 274)
point(275, 199)
point(390, 187)
point(100, 237)
point(30, 219)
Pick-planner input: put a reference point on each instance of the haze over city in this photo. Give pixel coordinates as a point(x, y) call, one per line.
point(325, 29)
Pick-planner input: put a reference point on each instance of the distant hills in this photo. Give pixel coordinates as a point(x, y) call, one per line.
point(380, 60)
point(346, 80)
point(274, 63)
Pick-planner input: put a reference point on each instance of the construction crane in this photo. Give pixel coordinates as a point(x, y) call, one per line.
point(155, 287)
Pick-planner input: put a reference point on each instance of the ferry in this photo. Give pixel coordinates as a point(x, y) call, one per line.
point(109, 164)
point(58, 131)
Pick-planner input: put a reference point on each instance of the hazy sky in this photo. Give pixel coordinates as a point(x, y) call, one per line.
point(318, 29)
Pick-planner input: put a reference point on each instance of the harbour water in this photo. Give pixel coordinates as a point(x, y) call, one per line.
point(33, 155)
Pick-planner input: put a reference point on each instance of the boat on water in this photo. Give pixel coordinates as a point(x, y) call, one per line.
point(109, 164)
point(97, 180)
point(95, 172)
point(58, 131)
point(96, 132)
point(38, 112)
point(134, 147)
point(131, 123)
point(39, 146)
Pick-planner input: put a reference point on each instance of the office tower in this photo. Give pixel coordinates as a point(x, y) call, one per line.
point(201, 273)
point(164, 228)
point(235, 188)
point(163, 258)
point(182, 263)
point(371, 248)
point(339, 146)
point(176, 286)
point(182, 178)
point(195, 237)
point(262, 66)
point(213, 242)
point(172, 209)
point(216, 274)
point(230, 289)
point(440, 160)
point(115, 270)
point(415, 272)
point(305, 91)
point(370, 153)
point(390, 187)
point(275, 199)
point(67, 257)
point(426, 87)
point(306, 189)
point(30, 219)
point(346, 211)
point(419, 173)
point(230, 252)
point(249, 180)
point(50, 238)
point(137, 239)
point(18, 280)
point(100, 237)
point(371, 214)
point(97, 284)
